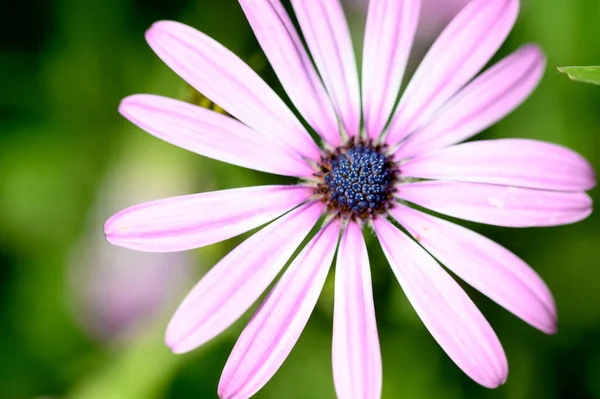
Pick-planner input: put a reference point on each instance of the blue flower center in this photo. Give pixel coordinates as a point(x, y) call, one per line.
point(358, 180)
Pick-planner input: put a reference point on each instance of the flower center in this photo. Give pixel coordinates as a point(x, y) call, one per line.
point(357, 180)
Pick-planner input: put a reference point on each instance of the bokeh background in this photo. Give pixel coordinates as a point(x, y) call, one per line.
point(80, 319)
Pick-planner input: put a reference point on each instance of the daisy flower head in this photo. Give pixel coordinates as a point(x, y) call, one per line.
point(375, 163)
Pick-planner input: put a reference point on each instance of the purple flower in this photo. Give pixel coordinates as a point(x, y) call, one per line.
point(358, 178)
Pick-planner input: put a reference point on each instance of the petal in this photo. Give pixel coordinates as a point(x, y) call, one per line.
point(463, 48)
point(236, 282)
point(225, 79)
point(446, 310)
point(356, 353)
point(483, 102)
point(326, 32)
point(286, 53)
point(193, 221)
point(277, 324)
point(213, 135)
point(389, 34)
point(485, 265)
point(498, 205)
point(513, 162)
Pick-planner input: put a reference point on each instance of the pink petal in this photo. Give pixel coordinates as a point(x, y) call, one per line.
point(193, 221)
point(236, 282)
point(213, 135)
point(225, 79)
point(485, 265)
point(460, 52)
point(278, 323)
point(286, 53)
point(326, 32)
point(483, 102)
point(513, 162)
point(391, 27)
point(446, 310)
point(356, 354)
point(498, 205)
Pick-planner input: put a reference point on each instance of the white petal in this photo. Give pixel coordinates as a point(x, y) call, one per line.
point(213, 135)
point(193, 221)
point(460, 52)
point(225, 79)
point(485, 265)
point(326, 32)
point(498, 205)
point(277, 324)
point(236, 282)
point(445, 309)
point(286, 53)
point(356, 353)
point(391, 27)
point(511, 162)
point(487, 99)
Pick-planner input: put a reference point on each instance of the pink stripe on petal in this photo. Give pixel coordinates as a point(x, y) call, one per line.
point(326, 31)
point(277, 324)
point(480, 104)
point(286, 53)
point(236, 282)
point(356, 353)
point(513, 162)
point(213, 135)
point(446, 310)
point(485, 265)
point(225, 79)
point(391, 27)
point(498, 205)
point(193, 221)
point(460, 52)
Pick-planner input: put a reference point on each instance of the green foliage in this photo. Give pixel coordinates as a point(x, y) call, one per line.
point(584, 74)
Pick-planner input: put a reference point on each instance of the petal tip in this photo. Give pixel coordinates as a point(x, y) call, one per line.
point(114, 226)
point(177, 349)
point(126, 104)
point(158, 25)
point(536, 53)
point(591, 177)
point(549, 328)
point(109, 227)
point(115, 231)
point(534, 48)
point(152, 30)
point(156, 29)
point(110, 239)
point(549, 323)
point(224, 389)
point(175, 339)
point(139, 105)
point(176, 344)
point(496, 373)
point(495, 381)
point(170, 340)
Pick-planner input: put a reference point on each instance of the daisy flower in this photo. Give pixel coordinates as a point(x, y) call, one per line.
point(376, 161)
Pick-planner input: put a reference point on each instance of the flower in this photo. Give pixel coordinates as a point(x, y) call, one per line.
point(405, 155)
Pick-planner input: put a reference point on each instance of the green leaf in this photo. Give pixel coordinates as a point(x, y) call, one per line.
point(585, 74)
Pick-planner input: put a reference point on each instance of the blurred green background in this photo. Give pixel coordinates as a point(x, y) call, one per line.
point(82, 320)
